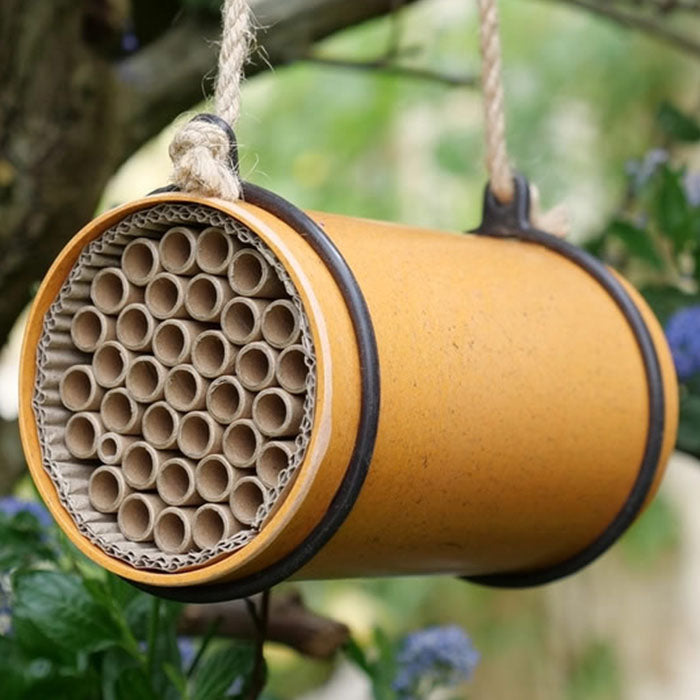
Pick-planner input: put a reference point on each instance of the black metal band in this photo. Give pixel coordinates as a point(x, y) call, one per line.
point(513, 221)
point(357, 469)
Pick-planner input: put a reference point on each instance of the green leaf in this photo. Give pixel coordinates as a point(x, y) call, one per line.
point(677, 124)
point(689, 426)
point(665, 300)
point(22, 542)
point(124, 678)
point(356, 654)
point(637, 241)
point(219, 669)
point(55, 607)
point(675, 216)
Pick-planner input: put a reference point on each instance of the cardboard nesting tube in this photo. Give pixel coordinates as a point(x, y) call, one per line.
point(247, 495)
point(241, 319)
point(215, 477)
point(215, 248)
point(255, 365)
point(173, 339)
point(178, 250)
point(83, 431)
point(199, 435)
point(90, 328)
point(291, 370)
point(173, 530)
point(145, 379)
point(227, 400)
point(281, 324)
point(206, 296)
point(79, 390)
point(107, 489)
point(250, 275)
point(213, 355)
point(242, 442)
point(141, 261)
point(275, 457)
point(110, 364)
point(120, 413)
point(277, 413)
point(580, 453)
point(214, 523)
point(161, 423)
point(176, 482)
point(186, 389)
point(137, 516)
point(112, 446)
point(135, 327)
point(165, 296)
point(111, 291)
point(141, 462)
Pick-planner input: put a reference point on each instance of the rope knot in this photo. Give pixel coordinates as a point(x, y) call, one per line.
point(200, 152)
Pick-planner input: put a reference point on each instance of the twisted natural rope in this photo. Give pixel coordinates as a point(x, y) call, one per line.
point(556, 220)
point(200, 150)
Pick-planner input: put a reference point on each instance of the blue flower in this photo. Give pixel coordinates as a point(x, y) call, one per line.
point(683, 335)
point(9, 505)
point(434, 657)
point(187, 651)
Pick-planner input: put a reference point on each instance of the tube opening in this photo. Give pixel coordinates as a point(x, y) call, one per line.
point(139, 465)
point(247, 496)
point(214, 478)
point(225, 400)
point(105, 490)
point(175, 482)
point(210, 526)
point(144, 379)
point(136, 518)
point(160, 425)
point(292, 369)
point(109, 290)
point(82, 432)
point(241, 443)
point(77, 388)
point(118, 411)
point(271, 412)
point(254, 366)
point(163, 296)
point(172, 531)
point(170, 343)
point(177, 250)
point(247, 272)
point(108, 447)
point(196, 437)
point(240, 321)
point(280, 324)
point(182, 388)
point(109, 364)
point(274, 458)
point(203, 298)
point(214, 250)
point(211, 355)
point(140, 261)
point(89, 329)
point(134, 327)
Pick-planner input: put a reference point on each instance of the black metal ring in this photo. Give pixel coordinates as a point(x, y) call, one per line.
point(512, 221)
point(357, 469)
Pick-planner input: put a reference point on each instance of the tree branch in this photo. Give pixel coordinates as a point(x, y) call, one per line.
point(290, 623)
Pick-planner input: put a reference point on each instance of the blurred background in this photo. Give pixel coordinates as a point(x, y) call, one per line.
point(383, 120)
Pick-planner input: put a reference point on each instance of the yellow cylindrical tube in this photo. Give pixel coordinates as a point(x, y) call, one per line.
point(515, 405)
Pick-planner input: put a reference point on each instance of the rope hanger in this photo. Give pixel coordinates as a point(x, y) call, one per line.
point(200, 150)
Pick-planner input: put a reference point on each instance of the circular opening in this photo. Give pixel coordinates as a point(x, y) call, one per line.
point(254, 367)
point(87, 329)
point(195, 435)
point(169, 343)
point(273, 460)
point(270, 412)
point(108, 447)
point(246, 498)
point(104, 490)
point(163, 296)
point(279, 324)
point(159, 424)
point(139, 261)
point(109, 290)
point(246, 272)
point(210, 527)
point(175, 482)
point(181, 388)
point(214, 478)
point(292, 370)
point(133, 327)
point(213, 250)
point(139, 465)
point(135, 518)
point(240, 444)
point(238, 321)
point(224, 401)
point(143, 379)
point(109, 364)
point(76, 388)
point(203, 297)
point(171, 531)
point(209, 354)
point(176, 249)
point(81, 435)
point(117, 411)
